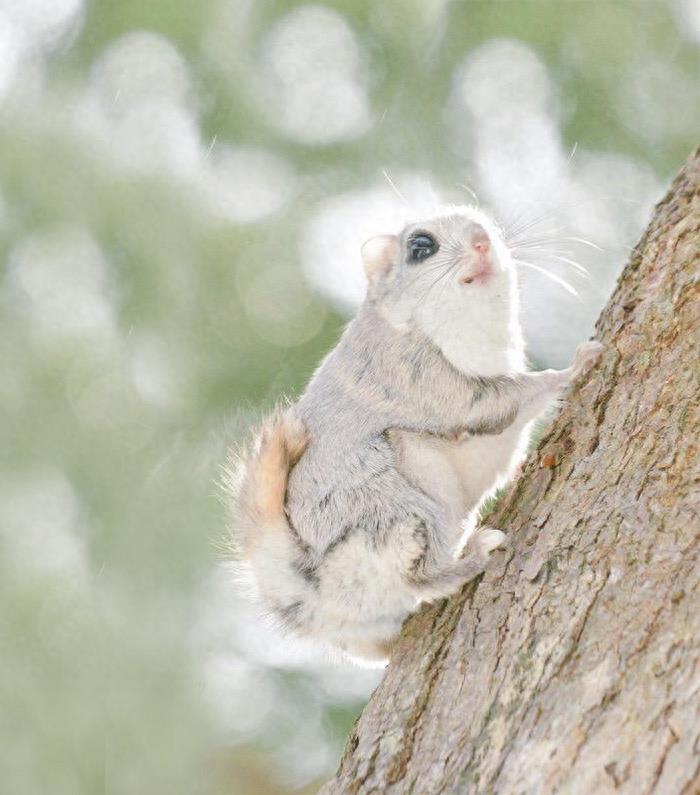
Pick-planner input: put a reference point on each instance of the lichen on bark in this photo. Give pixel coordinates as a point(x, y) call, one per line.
point(573, 665)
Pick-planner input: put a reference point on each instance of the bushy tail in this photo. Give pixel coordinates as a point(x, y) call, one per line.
point(268, 549)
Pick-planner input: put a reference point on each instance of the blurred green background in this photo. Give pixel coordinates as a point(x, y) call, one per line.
point(183, 190)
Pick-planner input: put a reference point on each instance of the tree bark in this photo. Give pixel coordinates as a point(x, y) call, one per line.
point(573, 665)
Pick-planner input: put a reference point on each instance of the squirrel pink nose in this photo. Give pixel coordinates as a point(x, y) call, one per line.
point(480, 240)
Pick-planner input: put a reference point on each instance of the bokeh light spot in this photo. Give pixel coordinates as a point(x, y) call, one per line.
point(312, 62)
point(246, 184)
point(44, 21)
point(38, 519)
point(11, 41)
point(62, 274)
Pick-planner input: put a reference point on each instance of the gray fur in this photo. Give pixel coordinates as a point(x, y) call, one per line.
point(378, 378)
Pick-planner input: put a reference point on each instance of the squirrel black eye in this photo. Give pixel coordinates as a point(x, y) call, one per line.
point(421, 247)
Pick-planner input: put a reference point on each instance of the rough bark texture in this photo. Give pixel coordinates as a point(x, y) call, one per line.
point(573, 666)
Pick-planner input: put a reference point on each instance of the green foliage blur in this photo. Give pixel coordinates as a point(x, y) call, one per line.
point(161, 164)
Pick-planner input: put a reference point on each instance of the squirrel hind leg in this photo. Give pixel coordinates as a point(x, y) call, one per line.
point(442, 576)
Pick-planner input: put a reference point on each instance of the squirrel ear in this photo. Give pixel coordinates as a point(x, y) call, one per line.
point(379, 254)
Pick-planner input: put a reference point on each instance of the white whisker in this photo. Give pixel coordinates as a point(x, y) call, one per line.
point(525, 232)
point(541, 245)
point(584, 241)
point(524, 223)
point(527, 242)
point(575, 265)
point(551, 276)
point(470, 192)
point(394, 188)
point(556, 254)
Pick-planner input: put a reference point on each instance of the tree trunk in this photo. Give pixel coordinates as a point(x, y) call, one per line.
point(573, 665)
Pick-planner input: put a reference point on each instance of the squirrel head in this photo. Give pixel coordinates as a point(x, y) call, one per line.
point(450, 275)
point(461, 247)
point(458, 253)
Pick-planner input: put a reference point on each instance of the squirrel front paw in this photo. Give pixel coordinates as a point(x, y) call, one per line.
point(586, 357)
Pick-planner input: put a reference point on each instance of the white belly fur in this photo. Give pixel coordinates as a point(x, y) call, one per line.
point(460, 475)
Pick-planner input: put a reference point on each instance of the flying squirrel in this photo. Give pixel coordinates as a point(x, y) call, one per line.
point(359, 503)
